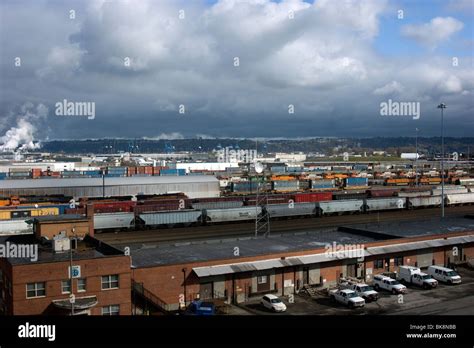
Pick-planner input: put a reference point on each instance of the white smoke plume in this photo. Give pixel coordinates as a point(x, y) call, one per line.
point(22, 136)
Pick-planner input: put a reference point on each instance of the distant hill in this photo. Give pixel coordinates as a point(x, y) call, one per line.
point(321, 145)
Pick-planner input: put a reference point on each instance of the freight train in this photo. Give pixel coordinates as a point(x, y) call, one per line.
point(178, 210)
point(290, 209)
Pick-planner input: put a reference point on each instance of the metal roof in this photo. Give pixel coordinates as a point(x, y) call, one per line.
point(109, 181)
point(325, 257)
point(266, 264)
point(418, 245)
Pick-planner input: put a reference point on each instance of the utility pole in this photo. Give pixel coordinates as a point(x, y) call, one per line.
point(442, 106)
point(416, 159)
point(72, 300)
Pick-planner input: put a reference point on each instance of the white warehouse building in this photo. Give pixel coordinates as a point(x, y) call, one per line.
point(194, 186)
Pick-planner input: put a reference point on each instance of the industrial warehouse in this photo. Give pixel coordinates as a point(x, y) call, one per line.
point(168, 277)
point(193, 186)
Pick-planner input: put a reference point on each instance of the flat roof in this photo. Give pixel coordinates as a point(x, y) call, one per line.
point(148, 255)
point(109, 181)
point(207, 271)
point(425, 227)
point(89, 248)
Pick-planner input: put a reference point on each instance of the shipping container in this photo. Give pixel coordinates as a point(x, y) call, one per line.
point(360, 167)
point(113, 221)
point(278, 169)
point(339, 207)
point(285, 185)
point(229, 215)
point(313, 197)
point(344, 195)
point(356, 182)
point(172, 172)
point(382, 192)
point(461, 198)
point(323, 184)
point(183, 217)
point(271, 199)
point(244, 186)
point(377, 204)
point(419, 202)
point(294, 209)
point(110, 207)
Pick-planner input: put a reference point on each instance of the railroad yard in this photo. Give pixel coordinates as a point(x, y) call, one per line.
point(245, 244)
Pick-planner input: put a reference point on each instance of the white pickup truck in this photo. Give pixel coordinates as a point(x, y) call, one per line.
point(365, 291)
point(413, 275)
point(347, 297)
point(389, 284)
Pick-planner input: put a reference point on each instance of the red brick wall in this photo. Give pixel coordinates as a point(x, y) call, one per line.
point(54, 273)
point(166, 282)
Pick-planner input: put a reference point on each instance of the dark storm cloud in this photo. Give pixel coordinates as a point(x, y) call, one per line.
point(318, 58)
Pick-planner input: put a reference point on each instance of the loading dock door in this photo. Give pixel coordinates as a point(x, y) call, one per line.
point(424, 259)
point(263, 283)
point(205, 291)
point(352, 270)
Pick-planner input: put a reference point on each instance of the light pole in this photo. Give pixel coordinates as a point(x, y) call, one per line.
point(416, 158)
point(442, 106)
point(71, 279)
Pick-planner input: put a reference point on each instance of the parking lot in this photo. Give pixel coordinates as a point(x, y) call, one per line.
point(445, 299)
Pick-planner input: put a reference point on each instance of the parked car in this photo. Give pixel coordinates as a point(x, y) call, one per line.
point(273, 303)
point(198, 307)
point(413, 275)
point(389, 284)
point(347, 297)
point(365, 291)
point(444, 274)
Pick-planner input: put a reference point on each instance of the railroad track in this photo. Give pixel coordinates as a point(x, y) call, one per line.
point(277, 226)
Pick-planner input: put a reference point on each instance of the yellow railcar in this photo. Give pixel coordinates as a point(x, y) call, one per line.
point(9, 214)
point(44, 211)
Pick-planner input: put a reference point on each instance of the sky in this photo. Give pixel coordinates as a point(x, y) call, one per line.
point(234, 68)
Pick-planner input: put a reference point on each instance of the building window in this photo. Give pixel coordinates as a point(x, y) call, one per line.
point(111, 310)
point(398, 261)
point(110, 282)
point(262, 279)
point(378, 264)
point(81, 284)
point(35, 290)
point(66, 286)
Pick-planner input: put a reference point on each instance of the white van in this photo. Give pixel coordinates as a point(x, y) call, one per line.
point(444, 274)
point(413, 275)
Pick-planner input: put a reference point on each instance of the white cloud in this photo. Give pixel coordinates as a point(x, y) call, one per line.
point(166, 136)
point(431, 34)
point(322, 61)
point(389, 88)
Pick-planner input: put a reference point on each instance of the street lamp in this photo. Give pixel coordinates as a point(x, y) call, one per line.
point(442, 106)
point(416, 158)
point(71, 278)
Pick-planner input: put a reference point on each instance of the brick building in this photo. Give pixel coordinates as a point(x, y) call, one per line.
point(101, 280)
point(238, 270)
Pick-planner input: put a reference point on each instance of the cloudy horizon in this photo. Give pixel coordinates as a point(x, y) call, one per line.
point(234, 68)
